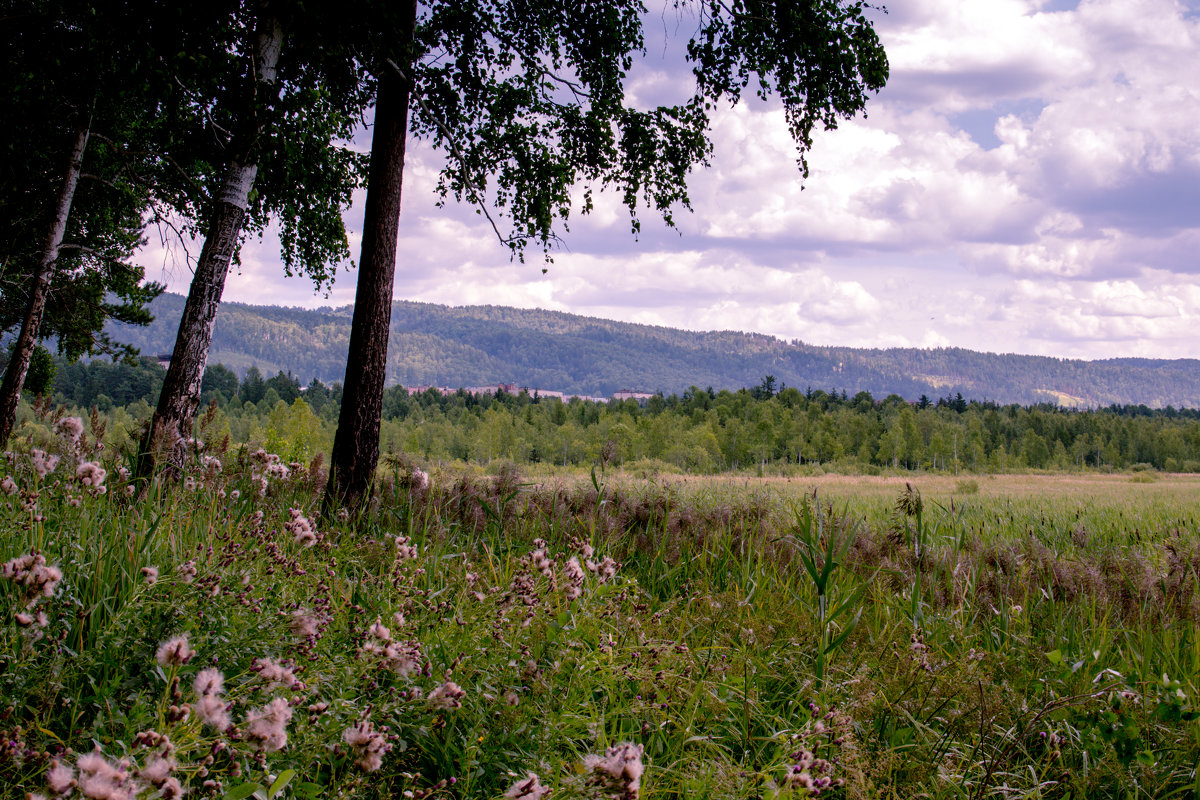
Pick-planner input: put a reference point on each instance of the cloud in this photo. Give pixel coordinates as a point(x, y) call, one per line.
point(1028, 181)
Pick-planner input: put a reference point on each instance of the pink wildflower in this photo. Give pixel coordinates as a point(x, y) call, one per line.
point(528, 788)
point(620, 770)
point(275, 674)
point(60, 778)
point(210, 681)
point(8, 485)
point(447, 697)
point(100, 779)
point(301, 528)
point(150, 574)
point(70, 428)
point(31, 572)
point(367, 745)
point(267, 726)
point(174, 652)
point(304, 623)
point(90, 473)
point(42, 463)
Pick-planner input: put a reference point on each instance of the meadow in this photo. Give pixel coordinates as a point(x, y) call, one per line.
point(484, 634)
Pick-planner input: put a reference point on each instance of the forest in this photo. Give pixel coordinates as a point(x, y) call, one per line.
point(761, 428)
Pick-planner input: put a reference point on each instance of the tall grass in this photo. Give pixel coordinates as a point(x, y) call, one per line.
point(472, 636)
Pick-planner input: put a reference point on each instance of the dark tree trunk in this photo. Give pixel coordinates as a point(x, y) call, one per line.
point(356, 443)
point(39, 290)
point(180, 394)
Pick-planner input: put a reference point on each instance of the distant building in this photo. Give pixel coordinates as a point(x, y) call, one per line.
point(627, 395)
point(164, 359)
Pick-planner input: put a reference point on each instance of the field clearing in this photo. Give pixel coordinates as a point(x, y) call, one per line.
point(1016, 636)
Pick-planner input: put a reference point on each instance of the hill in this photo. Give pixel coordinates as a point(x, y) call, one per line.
point(464, 346)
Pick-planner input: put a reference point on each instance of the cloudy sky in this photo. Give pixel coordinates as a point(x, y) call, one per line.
point(1028, 181)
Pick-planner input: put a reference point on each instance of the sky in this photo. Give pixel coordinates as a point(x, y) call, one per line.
point(1028, 181)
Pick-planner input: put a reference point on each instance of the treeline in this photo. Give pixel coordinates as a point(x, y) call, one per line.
point(700, 430)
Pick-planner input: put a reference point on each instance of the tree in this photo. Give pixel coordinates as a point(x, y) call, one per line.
point(292, 100)
point(527, 100)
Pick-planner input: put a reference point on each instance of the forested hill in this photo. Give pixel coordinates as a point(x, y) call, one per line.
point(440, 345)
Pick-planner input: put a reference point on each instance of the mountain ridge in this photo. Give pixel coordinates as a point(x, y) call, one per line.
point(557, 350)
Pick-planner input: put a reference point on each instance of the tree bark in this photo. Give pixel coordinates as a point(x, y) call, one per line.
point(18, 365)
point(180, 394)
point(356, 443)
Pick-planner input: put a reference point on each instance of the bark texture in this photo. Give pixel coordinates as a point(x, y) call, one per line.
point(180, 394)
point(356, 443)
point(39, 291)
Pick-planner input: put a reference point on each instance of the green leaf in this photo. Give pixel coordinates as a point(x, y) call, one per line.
point(282, 781)
point(242, 791)
point(1055, 656)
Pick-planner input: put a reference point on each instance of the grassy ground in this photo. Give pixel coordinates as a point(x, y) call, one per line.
point(487, 636)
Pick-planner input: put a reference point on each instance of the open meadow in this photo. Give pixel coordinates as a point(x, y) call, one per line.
point(606, 636)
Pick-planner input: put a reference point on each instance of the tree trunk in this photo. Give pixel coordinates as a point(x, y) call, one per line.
point(18, 365)
point(356, 443)
point(181, 387)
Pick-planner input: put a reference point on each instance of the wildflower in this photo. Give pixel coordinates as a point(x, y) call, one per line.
point(213, 711)
point(34, 575)
point(70, 428)
point(90, 473)
point(189, 484)
point(235, 494)
point(541, 561)
point(378, 630)
point(301, 528)
point(304, 623)
point(174, 652)
point(8, 485)
point(606, 568)
point(367, 745)
point(528, 788)
point(446, 697)
point(620, 770)
point(404, 550)
point(186, 571)
point(275, 674)
point(157, 770)
point(574, 576)
point(420, 479)
point(210, 682)
point(100, 779)
point(171, 789)
point(267, 726)
point(42, 463)
point(60, 778)
point(150, 574)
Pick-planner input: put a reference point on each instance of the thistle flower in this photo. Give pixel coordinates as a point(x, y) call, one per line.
point(275, 674)
point(8, 485)
point(574, 578)
point(620, 770)
point(267, 726)
point(304, 623)
point(301, 528)
point(150, 574)
point(210, 682)
point(528, 788)
point(60, 778)
point(42, 463)
point(447, 697)
point(367, 745)
point(174, 652)
point(420, 479)
point(70, 428)
point(31, 572)
point(379, 631)
point(99, 779)
point(186, 571)
point(213, 711)
point(404, 550)
point(157, 770)
point(90, 473)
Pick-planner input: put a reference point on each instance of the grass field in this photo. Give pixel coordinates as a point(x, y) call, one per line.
point(489, 636)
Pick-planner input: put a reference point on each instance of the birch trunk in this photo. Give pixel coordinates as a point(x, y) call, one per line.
point(356, 443)
point(180, 394)
point(18, 365)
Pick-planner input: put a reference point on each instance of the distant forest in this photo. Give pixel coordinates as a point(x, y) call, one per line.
point(440, 345)
point(763, 427)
